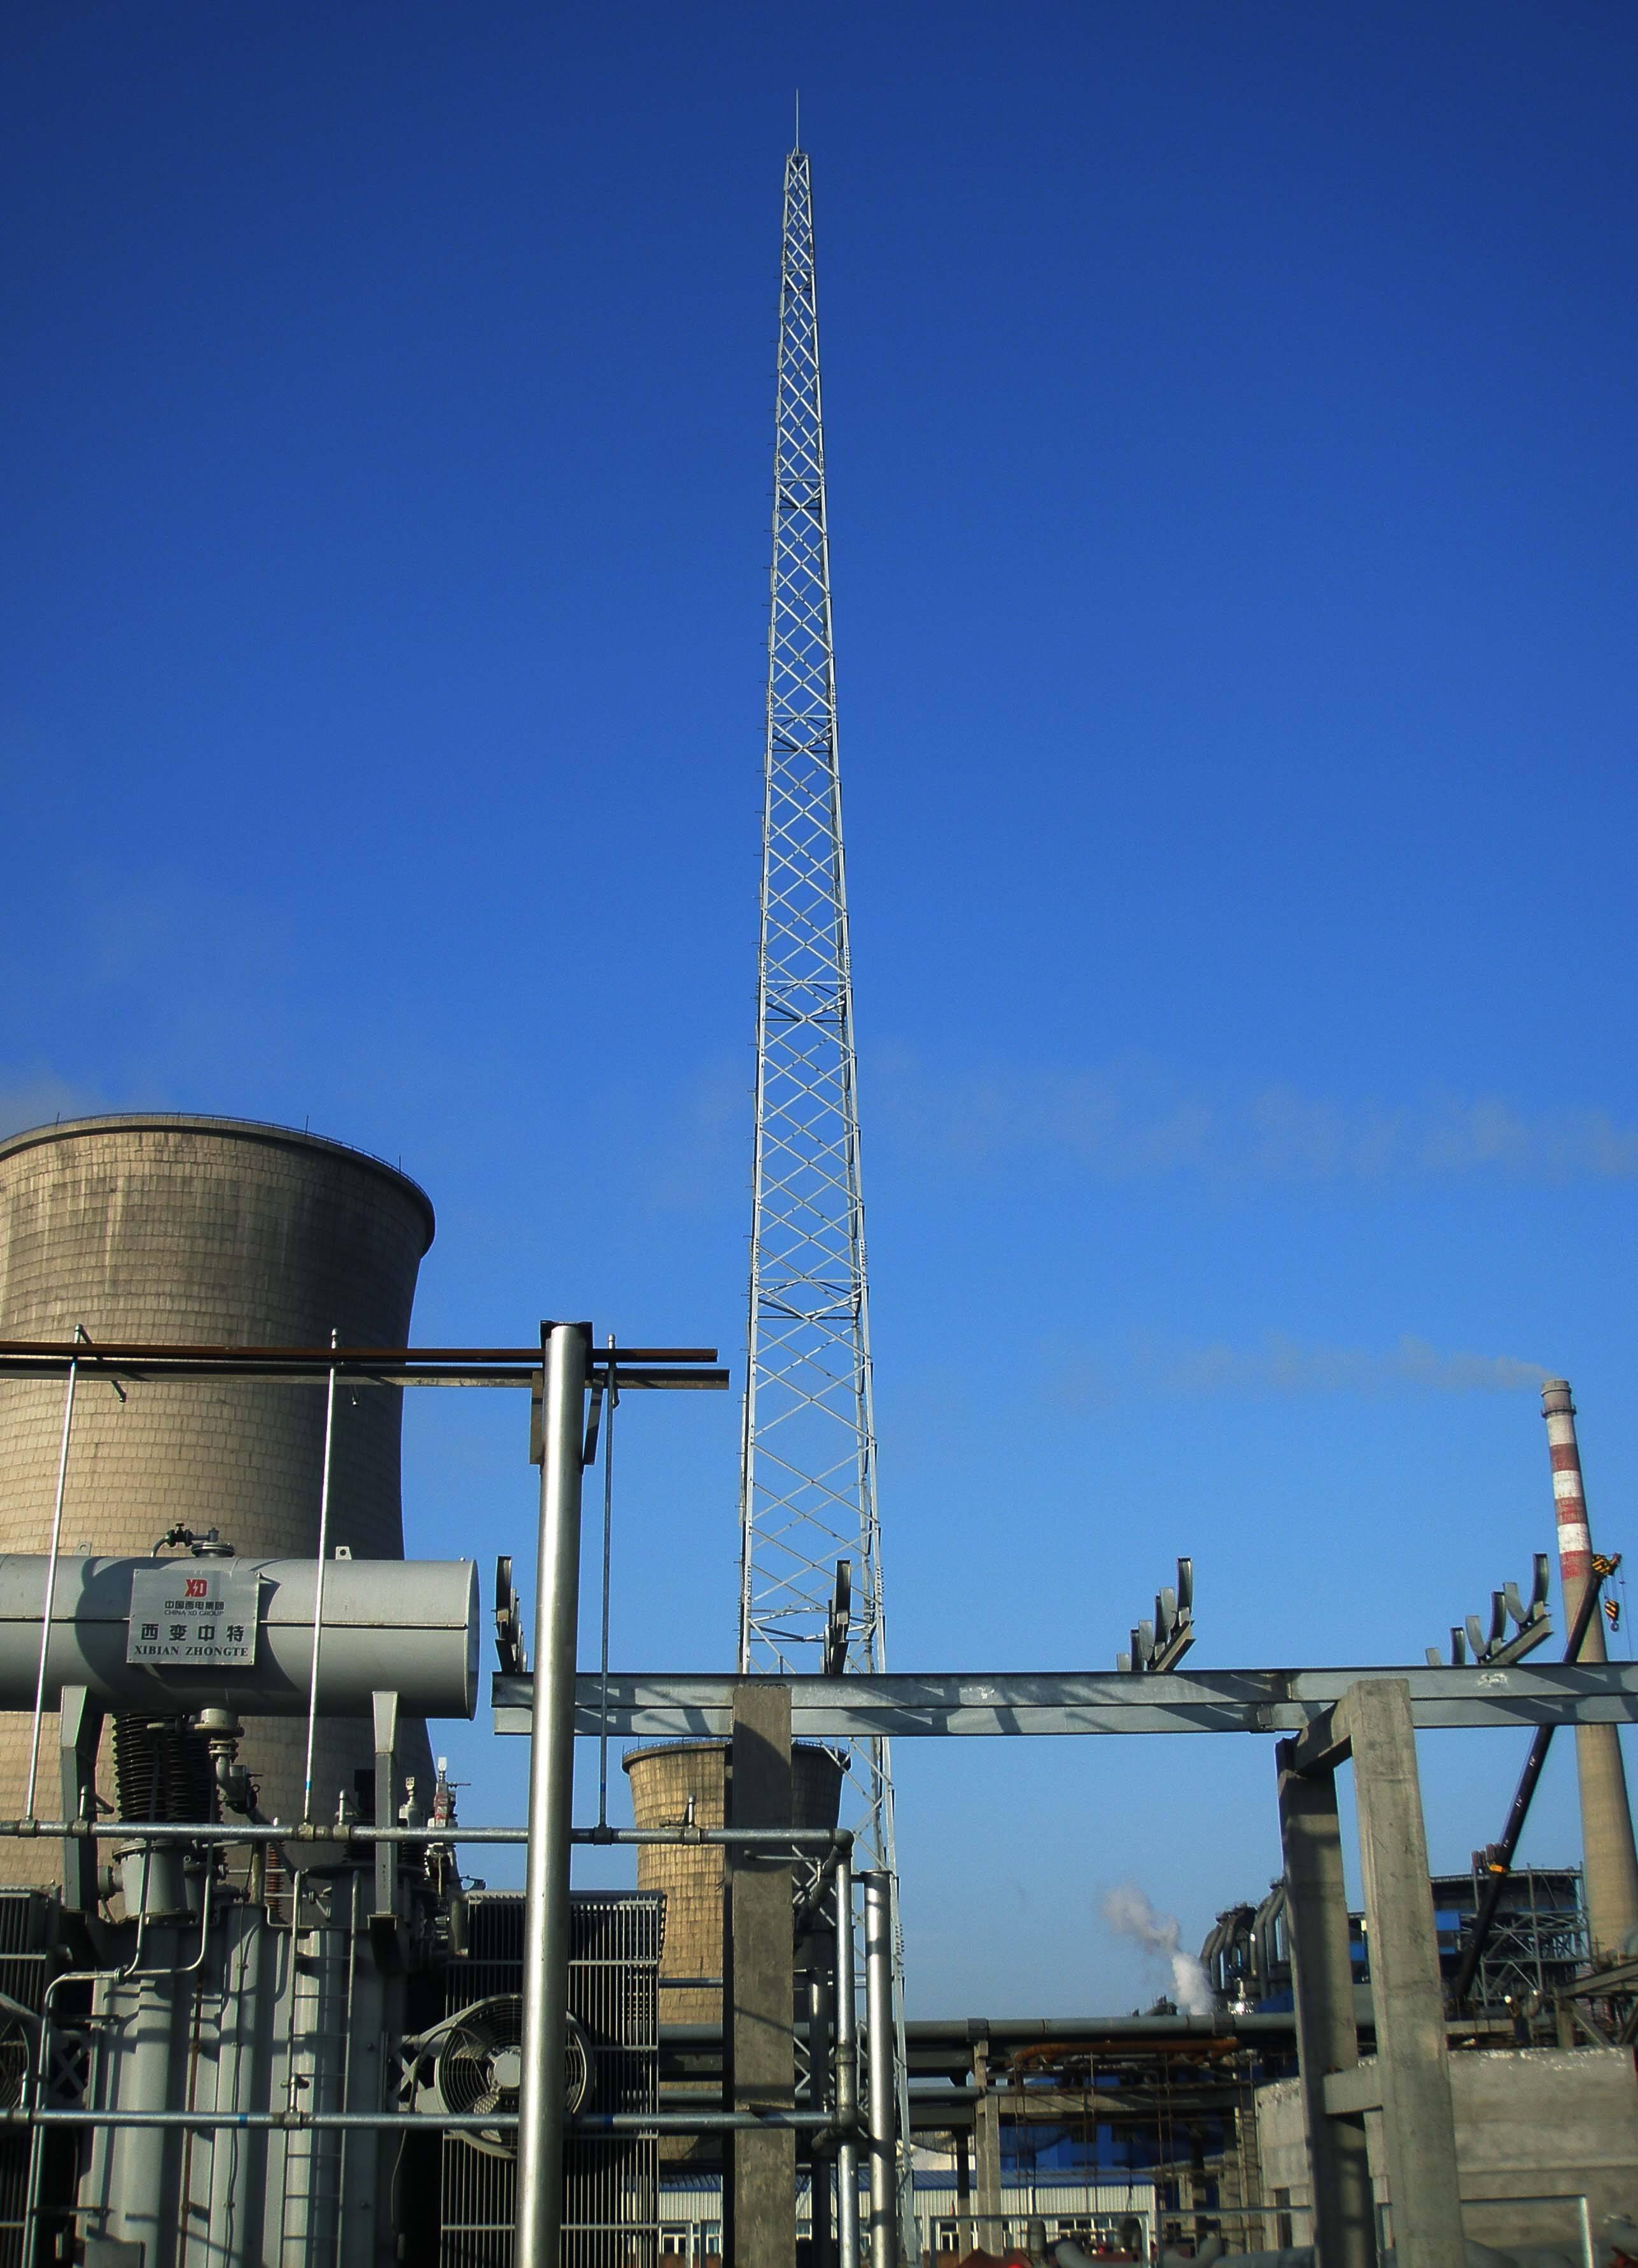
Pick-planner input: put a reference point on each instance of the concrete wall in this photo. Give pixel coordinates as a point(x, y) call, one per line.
point(1528, 2120)
point(203, 1230)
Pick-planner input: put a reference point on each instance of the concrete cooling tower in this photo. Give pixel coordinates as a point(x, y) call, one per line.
point(665, 1779)
point(204, 1231)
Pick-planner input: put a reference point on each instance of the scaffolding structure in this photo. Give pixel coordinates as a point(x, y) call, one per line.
point(1537, 1945)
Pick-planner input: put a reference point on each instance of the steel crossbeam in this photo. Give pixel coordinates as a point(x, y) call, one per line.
point(651, 1706)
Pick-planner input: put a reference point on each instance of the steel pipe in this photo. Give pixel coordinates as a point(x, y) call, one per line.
point(53, 1560)
point(321, 1555)
point(820, 2096)
point(1025, 2031)
point(311, 1365)
point(847, 2070)
point(881, 2122)
point(142, 1830)
point(608, 2122)
point(541, 2101)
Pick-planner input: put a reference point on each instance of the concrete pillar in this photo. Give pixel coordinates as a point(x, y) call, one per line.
point(1197, 2187)
point(1608, 1854)
point(1407, 1995)
point(964, 2193)
point(759, 1971)
point(1247, 2161)
point(986, 2149)
point(1316, 1913)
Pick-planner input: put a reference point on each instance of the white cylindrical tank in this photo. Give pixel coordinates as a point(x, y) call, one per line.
point(408, 1627)
point(157, 1228)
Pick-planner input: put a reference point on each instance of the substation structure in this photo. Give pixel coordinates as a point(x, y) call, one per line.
point(1394, 2068)
point(250, 2040)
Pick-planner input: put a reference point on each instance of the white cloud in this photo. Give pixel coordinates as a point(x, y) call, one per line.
point(1128, 1119)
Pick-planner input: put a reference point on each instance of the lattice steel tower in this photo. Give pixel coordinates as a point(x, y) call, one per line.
point(807, 1485)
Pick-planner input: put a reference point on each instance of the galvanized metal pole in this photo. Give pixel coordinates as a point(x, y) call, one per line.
point(884, 2103)
point(602, 1691)
point(847, 2074)
point(540, 2102)
point(318, 1587)
point(820, 2096)
point(51, 1577)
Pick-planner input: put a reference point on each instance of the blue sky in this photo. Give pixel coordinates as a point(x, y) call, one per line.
point(1232, 492)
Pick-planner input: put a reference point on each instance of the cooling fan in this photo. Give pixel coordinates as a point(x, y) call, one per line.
point(478, 2067)
point(16, 2056)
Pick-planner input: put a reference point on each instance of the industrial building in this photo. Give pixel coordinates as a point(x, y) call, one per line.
point(1534, 1955)
point(255, 2006)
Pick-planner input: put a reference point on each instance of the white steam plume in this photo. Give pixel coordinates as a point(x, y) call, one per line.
point(1145, 1368)
point(1129, 1914)
point(35, 1098)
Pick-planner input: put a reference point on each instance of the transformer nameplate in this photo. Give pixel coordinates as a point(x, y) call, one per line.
point(193, 1612)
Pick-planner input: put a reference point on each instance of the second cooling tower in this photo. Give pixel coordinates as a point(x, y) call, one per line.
point(204, 1231)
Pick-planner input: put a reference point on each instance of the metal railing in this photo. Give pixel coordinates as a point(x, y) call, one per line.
point(1577, 2197)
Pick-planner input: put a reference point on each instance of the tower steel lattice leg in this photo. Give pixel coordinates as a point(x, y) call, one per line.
point(808, 1497)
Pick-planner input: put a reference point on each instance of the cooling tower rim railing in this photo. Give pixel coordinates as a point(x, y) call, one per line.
point(267, 1131)
point(714, 1744)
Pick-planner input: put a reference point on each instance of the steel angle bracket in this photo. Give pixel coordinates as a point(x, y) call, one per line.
point(1163, 1643)
point(1492, 1648)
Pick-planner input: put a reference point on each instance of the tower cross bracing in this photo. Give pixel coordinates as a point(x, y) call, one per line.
point(809, 1467)
point(808, 1472)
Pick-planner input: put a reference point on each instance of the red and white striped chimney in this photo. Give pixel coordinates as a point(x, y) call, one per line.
point(1608, 1855)
point(1569, 1501)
